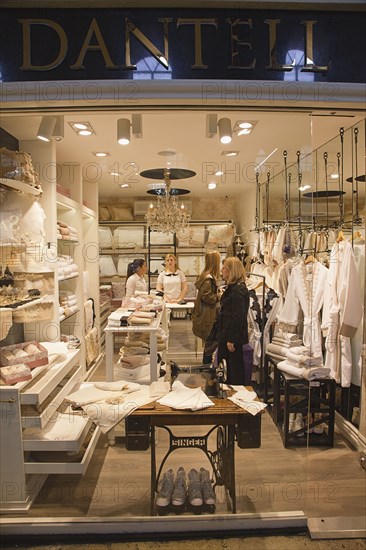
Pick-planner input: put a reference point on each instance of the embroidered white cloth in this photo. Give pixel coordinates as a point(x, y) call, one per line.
point(182, 397)
point(106, 415)
point(247, 400)
point(89, 393)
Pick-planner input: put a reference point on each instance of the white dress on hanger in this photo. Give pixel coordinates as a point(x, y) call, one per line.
point(342, 312)
point(306, 293)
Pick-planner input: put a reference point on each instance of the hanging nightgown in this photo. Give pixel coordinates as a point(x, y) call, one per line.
point(259, 321)
point(306, 293)
point(359, 252)
point(342, 312)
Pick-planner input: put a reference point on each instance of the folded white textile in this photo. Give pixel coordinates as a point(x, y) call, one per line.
point(302, 350)
point(277, 349)
point(286, 343)
point(118, 385)
point(133, 361)
point(308, 374)
point(57, 351)
point(146, 314)
point(182, 397)
point(131, 374)
point(134, 320)
point(303, 360)
point(247, 400)
point(159, 388)
point(289, 336)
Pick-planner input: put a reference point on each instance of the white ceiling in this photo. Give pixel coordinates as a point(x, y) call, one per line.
point(183, 131)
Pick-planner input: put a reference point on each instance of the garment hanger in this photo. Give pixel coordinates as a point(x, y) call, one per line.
point(357, 237)
point(309, 259)
point(340, 236)
point(259, 285)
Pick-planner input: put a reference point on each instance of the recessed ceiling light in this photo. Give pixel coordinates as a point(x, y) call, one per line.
point(115, 174)
point(229, 153)
point(125, 185)
point(101, 154)
point(219, 173)
point(82, 128)
point(246, 125)
point(304, 187)
point(212, 185)
point(244, 131)
point(334, 176)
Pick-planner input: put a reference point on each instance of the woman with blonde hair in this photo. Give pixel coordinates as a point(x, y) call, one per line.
point(206, 303)
point(172, 281)
point(232, 323)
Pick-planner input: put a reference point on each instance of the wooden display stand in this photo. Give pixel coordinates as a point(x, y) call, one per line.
point(305, 397)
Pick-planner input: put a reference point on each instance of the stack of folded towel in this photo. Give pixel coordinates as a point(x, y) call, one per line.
point(300, 362)
point(66, 232)
point(68, 303)
point(281, 343)
point(141, 318)
point(66, 267)
point(141, 340)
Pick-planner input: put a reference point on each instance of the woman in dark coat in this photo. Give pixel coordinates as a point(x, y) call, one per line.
point(232, 323)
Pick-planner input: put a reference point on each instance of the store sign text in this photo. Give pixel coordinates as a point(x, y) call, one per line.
point(242, 55)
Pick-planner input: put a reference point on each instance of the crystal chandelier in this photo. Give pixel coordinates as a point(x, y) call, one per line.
point(167, 216)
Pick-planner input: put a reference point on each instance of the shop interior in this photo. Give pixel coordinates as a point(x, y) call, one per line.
point(298, 170)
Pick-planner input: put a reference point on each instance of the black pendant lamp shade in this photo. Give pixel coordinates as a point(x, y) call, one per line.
point(357, 178)
point(323, 194)
point(173, 173)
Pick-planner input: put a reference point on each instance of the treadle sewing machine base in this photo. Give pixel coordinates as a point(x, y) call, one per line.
point(230, 422)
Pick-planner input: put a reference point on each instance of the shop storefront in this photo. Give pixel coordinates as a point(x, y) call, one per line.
point(300, 463)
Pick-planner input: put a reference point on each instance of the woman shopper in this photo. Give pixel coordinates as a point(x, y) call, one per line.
point(207, 300)
point(135, 277)
point(232, 324)
point(172, 281)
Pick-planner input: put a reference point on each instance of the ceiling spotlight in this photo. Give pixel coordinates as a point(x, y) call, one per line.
point(124, 185)
point(101, 154)
point(80, 126)
point(212, 185)
point(124, 129)
point(304, 187)
point(85, 133)
point(46, 128)
point(334, 176)
point(51, 127)
point(225, 134)
point(219, 173)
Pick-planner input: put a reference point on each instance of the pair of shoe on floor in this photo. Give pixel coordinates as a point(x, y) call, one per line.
point(175, 492)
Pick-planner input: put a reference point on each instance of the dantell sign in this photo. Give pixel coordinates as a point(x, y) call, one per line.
point(230, 44)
